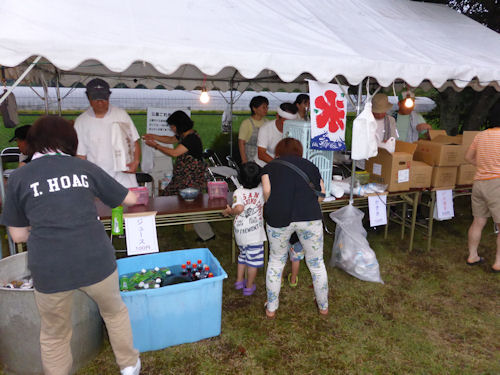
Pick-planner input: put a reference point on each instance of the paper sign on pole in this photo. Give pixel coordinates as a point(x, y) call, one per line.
point(377, 208)
point(443, 210)
point(157, 120)
point(140, 229)
point(328, 116)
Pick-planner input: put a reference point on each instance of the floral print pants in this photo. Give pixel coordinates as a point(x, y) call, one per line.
point(311, 237)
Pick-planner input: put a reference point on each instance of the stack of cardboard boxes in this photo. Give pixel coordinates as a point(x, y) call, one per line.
point(437, 163)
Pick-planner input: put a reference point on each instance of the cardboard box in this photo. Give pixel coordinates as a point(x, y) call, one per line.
point(465, 174)
point(392, 169)
point(442, 150)
point(467, 139)
point(420, 174)
point(444, 177)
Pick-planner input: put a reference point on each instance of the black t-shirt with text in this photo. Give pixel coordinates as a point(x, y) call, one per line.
point(291, 199)
point(55, 195)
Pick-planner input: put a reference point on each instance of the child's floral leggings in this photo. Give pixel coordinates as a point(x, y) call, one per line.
point(311, 237)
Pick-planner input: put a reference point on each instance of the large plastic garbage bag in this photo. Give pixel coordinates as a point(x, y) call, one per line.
point(351, 250)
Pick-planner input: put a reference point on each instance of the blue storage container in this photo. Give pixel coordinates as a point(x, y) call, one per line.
point(175, 314)
point(301, 130)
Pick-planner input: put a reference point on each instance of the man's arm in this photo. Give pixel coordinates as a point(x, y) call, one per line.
point(133, 165)
point(470, 155)
point(241, 147)
point(423, 127)
point(263, 155)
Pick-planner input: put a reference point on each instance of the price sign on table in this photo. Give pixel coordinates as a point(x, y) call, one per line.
point(444, 205)
point(140, 229)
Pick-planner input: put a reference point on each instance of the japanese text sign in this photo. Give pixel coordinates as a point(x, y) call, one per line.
point(377, 209)
point(157, 120)
point(328, 116)
point(140, 230)
point(443, 210)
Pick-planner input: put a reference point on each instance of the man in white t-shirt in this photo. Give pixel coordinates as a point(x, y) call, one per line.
point(272, 132)
point(94, 128)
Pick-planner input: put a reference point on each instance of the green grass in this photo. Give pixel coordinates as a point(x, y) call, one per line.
point(433, 315)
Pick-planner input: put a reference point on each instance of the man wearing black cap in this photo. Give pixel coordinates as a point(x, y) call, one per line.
point(20, 137)
point(97, 129)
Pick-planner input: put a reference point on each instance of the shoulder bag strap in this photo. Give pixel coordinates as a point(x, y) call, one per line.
point(301, 173)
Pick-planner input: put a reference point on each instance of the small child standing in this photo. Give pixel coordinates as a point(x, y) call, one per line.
point(249, 232)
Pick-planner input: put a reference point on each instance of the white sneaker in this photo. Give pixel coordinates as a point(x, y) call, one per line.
point(135, 370)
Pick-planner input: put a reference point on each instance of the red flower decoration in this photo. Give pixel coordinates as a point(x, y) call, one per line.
point(332, 111)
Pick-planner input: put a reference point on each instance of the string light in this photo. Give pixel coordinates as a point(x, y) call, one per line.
point(204, 97)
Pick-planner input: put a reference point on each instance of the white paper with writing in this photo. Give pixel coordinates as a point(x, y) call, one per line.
point(443, 210)
point(377, 209)
point(377, 169)
point(403, 175)
point(141, 233)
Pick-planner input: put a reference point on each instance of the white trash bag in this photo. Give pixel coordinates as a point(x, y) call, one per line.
point(351, 250)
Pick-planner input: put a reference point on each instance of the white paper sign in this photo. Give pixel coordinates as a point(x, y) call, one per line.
point(377, 209)
point(377, 169)
point(140, 232)
point(403, 175)
point(328, 116)
point(157, 120)
point(443, 210)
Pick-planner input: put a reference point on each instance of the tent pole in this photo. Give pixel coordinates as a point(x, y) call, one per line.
point(28, 69)
point(231, 128)
point(58, 94)
point(45, 94)
point(353, 166)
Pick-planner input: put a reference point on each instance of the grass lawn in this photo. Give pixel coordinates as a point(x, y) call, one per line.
point(433, 315)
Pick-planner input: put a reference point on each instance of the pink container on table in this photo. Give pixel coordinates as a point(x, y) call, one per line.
point(217, 189)
point(142, 194)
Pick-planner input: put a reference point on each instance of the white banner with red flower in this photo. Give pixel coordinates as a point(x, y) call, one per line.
point(328, 116)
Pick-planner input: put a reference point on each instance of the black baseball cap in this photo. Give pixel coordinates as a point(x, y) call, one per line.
point(20, 133)
point(98, 89)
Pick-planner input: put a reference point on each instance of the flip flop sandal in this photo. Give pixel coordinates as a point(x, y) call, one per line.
point(249, 291)
point(293, 285)
point(481, 260)
point(240, 284)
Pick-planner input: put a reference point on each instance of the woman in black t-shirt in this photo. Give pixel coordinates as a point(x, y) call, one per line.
point(189, 169)
point(293, 206)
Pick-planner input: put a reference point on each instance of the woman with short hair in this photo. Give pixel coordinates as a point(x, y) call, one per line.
point(249, 129)
point(292, 205)
point(50, 204)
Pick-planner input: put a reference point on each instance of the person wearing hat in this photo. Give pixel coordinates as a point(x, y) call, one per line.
point(95, 133)
point(408, 122)
point(386, 125)
point(20, 137)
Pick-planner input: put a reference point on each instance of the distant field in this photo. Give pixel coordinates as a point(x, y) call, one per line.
point(208, 125)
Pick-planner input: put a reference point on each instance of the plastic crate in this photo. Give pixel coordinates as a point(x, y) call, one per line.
point(217, 189)
point(301, 130)
point(142, 194)
point(175, 314)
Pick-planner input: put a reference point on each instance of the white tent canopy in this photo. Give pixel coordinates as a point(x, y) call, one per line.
point(252, 43)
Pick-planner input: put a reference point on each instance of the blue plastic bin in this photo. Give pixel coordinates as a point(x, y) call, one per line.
point(175, 314)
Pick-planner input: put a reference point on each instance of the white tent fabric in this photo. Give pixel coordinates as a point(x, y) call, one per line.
point(264, 44)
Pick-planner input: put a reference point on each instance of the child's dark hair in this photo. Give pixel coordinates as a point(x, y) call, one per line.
point(249, 175)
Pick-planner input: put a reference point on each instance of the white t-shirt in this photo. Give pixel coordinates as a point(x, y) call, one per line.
point(249, 225)
point(269, 136)
point(94, 140)
point(380, 132)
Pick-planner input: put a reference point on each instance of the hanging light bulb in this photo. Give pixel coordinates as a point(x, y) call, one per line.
point(204, 97)
point(409, 101)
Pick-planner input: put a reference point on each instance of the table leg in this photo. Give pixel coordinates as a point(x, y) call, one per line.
point(413, 219)
point(431, 219)
point(403, 220)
